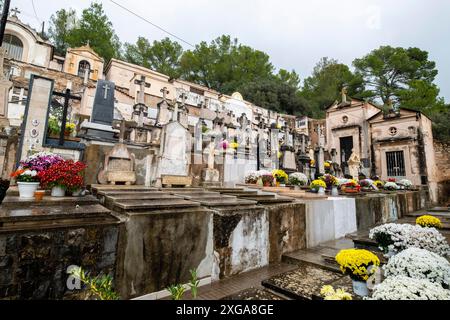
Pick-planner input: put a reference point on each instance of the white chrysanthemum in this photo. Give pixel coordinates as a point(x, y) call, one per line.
point(405, 288)
point(298, 178)
point(419, 264)
point(429, 239)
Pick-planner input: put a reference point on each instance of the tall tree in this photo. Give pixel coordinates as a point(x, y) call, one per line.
point(162, 56)
point(324, 85)
point(403, 76)
point(96, 28)
point(290, 78)
point(225, 65)
point(61, 24)
point(275, 95)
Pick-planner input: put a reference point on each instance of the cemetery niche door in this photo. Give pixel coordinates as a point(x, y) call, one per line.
point(395, 162)
point(346, 147)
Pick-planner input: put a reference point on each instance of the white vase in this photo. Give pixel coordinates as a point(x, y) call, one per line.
point(296, 187)
point(27, 189)
point(360, 288)
point(321, 191)
point(58, 191)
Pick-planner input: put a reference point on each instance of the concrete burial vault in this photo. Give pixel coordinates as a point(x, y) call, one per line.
point(150, 238)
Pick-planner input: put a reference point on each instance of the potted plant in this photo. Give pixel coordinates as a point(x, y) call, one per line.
point(391, 237)
point(54, 127)
point(63, 176)
point(428, 221)
point(318, 186)
point(391, 186)
point(406, 288)
point(27, 182)
point(351, 187)
point(251, 177)
point(359, 264)
point(280, 176)
point(405, 183)
point(298, 179)
point(267, 178)
point(420, 264)
point(330, 180)
point(70, 128)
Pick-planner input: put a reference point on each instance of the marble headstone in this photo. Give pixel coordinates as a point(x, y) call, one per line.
point(103, 109)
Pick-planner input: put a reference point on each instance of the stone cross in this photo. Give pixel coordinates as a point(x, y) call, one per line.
point(123, 129)
point(15, 12)
point(183, 97)
point(106, 88)
point(142, 85)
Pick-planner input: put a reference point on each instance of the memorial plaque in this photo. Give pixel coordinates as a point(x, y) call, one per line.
point(103, 110)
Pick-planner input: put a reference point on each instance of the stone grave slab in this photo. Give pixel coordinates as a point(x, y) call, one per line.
point(14, 201)
point(301, 284)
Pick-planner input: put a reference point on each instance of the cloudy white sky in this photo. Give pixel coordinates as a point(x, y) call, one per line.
point(296, 34)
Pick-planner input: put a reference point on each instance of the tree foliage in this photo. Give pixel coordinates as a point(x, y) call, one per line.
point(403, 76)
point(93, 27)
point(162, 56)
point(61, 24)
point(225, 65)
point(324, 85)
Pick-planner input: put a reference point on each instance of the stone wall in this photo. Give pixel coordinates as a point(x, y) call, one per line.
point(287, 229)
point(159, 248)
point(33, 263)
point(442, 156)
point(373, 209)
point(241, 240)
point(329, 219)
point(8, 149)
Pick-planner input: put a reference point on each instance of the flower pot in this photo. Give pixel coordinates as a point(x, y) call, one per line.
point(77, 193)
point(360, 288)
point(58, 191)
point(297, 187)
point(39, 195)
point(277, 184)
point(321, 191)
point(27, 189)
point(334, 191)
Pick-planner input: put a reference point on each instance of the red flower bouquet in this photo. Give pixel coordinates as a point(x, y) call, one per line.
point(66, 174)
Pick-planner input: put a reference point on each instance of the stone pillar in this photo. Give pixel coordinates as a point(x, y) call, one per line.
point(5, 86)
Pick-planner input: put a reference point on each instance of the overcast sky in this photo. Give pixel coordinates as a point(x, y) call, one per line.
point(296, 34)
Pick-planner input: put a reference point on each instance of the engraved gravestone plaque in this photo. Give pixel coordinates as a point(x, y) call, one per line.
point(103, 110)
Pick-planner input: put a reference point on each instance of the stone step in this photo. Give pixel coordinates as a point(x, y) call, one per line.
point(225, 202)
point(440, 209)
point(11, 201)
point(257, 196)
point(195, 193)
point(270, 200)
point(314, 257)
point(125, 192)
point(182, 189)
point(207, 198)
point(131, 205)
point(242, 193)
point(221, 190)
point(140, 196)
point(303, 283)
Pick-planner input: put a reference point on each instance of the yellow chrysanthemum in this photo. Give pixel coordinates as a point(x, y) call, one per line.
point(429, 221)
point(356, 262)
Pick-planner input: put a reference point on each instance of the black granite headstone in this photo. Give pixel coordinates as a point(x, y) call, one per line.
point(103, 110)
